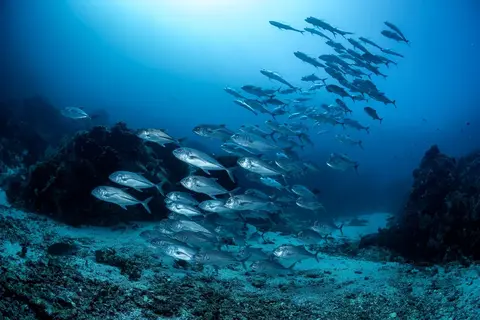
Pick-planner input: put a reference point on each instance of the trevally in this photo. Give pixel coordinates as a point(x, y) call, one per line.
point(135, 181)
point(119, 197)
point(200, 160)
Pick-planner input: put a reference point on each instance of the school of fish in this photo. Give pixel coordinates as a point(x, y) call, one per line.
point(229, 229)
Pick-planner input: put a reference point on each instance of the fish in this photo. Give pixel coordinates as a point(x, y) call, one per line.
point(397, 30)
point(119, 197)
point(338, 91)
point(357, 45)
point(393, 53)
point(302, 191)
point(298, 253)
point(283, 26)
point(179, 252)
point(370, 42)
point(135, 181)
point(184, 209)
point(214, 206)
point(309, 203)
point(346, 139)
point(213, 131)
point(355, 124)
point(246, 202)
point(316, 32)
point(251, 253)
point(183, 197)
point(394, 36)
point(342, 162)
point(75, 113)
point(309, 236)
point(254, 142)
point(201, 160)
point(182, 225)
point(258, 166)
point(234, 93)
point(316, 86)
point(158, 136)
point(310, 60)
point(208, 186)
point(216, 258)
point(272, 182)
point(277, 77)
point(245, 105)
point(271, 267)
point(372, 113)
point(197, 239)
point(312, 78)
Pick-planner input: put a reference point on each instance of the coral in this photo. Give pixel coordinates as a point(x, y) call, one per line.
point(441, 219)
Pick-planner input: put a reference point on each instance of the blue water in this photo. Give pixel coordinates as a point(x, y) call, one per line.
point(165, 63)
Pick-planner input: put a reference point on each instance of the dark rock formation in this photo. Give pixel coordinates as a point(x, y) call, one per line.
point(441, 219)
point(61, 185)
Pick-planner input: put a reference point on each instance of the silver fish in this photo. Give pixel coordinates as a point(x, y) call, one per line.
point(179, 252)
point(342, 162)
point(309, 203)
point(182, 225)
point(135, 181)
point(303, 191)
point(197, 239)
point(200, 160)
point(246, 202)
point(254, 142)
point(184, 209)
point(258, 166)
point(208, 186)
point(298, 253)
point(158, 136)
point(184, 197)
point(119, 197)
point(214, 206)
point(271, 267)
point(74, 113)
point(220, 132)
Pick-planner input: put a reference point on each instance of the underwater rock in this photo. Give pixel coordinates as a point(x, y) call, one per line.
point(441, 219)
point(30, 130)
point(61, 185)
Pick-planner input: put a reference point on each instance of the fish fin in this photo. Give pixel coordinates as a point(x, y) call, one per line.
point(316, 255)
point(145, 202)
point(380, 119)
point(213, 197)
point(206, 171)
point(232, 192)
point(137, 189)
point(367, 129)
point(360, 144)
point(230, 173)
point(293, 265)
point(341, 228)
point(181, 140)
point(159, 187)
point(356, 167)
point(124, 207)
point(394, 103)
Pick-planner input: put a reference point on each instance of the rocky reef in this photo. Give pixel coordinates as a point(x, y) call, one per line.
point(61, 185)
point(441, 218)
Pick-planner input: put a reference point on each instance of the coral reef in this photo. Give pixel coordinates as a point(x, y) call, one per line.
point(441, 219)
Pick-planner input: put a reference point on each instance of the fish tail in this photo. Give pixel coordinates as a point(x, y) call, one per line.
point(367, 129)
point(380, 119)
point(341, 228)
point(159, 187)
point(360, 143)
point(394, 103)
point(230, 173)
point(145, 202)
